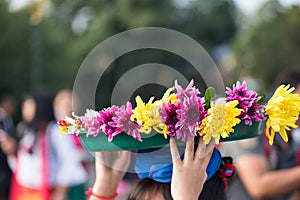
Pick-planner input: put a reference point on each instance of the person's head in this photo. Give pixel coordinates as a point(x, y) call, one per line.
point(63, 104)
point(8, 104)
point(148, 189)
point(37, 110)
point(154, 167)
point(291, 77)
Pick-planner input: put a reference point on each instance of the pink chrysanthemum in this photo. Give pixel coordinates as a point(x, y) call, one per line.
point(190, 111)
point(190, 115)
point(90, 123)
point(92, 126)
point(105, 118)
point(168, 116)
point(253, 113)
point(187, 93)
point(122, 120)
point(247, 101)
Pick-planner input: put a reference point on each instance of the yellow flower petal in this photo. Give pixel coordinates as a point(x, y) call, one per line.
point(147, 115)
point(283, 111)
point(221, 119)
point(63, 129)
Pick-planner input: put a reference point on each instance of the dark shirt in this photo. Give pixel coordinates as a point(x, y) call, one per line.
point(279, 156)
point(7, 125)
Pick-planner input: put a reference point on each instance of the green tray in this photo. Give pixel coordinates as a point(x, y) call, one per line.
point(155, 140)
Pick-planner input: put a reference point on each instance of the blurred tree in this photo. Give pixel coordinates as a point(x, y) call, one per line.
point(14, 50)
point(211, 23)
point(73, 28)
point(270, 45)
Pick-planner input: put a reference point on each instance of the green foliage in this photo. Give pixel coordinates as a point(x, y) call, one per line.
point(270, 46)
point(53, 60)
point(209, 94)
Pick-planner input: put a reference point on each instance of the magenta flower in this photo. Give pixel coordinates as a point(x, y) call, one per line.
point(105, 118)
point(187, 93)
point(253, 114)
point(247, 101)
point(190, 114)
point(168, 116)
point(92, 126)
point(122, 121)
point(90, 123)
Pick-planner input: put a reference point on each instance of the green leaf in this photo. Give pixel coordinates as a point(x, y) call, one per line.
point(209, 94)
point(261, 100)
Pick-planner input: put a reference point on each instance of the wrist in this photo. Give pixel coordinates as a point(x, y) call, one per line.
point(105, 189)
point(95, 196)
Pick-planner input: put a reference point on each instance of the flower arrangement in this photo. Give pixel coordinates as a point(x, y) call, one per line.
point(184, 114)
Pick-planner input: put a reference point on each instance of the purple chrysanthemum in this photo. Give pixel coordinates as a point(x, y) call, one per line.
point(190, 111)
point(187, 93)
point(90, 123)
point(247, 101)
point(254, 114)
point(168, 116)
point(105, 119)
point(190, 115)
point(92, 126)
point(122, 120)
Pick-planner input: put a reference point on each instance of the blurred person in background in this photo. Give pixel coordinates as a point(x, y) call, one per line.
point(63, 103)
point(264, 171)
point(63, 107)
point(44, 163)
point(7, 109)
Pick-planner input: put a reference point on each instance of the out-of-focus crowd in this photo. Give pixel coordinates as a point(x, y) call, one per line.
point(36, 162)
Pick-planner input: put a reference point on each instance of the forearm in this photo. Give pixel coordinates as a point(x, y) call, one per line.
point(281, 182)
point(261, 183)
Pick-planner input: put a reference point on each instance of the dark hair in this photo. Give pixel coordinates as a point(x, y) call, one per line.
point(146, 188)
point(7, 98)
point(44, 111)
point(290, 76)
point(212, 189)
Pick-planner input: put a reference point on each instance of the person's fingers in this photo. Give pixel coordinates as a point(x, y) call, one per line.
point(189, 150)
point(200, 149)
point(125, 155)
point(174, 152)
point(122, 163)
point(203, 149)
point(100, 156)
point(205, 160)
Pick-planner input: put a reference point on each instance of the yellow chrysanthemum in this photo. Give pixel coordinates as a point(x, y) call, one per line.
point(168, 96)
point(221, 119)
point(283, 111)
point(147, 115)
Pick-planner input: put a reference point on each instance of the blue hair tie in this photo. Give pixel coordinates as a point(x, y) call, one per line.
point(159, 166)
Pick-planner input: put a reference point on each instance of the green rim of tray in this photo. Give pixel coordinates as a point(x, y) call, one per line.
point(156, 140)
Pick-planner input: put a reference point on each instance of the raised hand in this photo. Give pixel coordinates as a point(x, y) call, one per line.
point(110, 169)
point(189, 174)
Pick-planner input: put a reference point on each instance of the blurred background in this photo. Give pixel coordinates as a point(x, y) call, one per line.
point(43, 42)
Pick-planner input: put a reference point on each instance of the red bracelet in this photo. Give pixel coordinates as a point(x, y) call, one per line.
point(90, 193)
